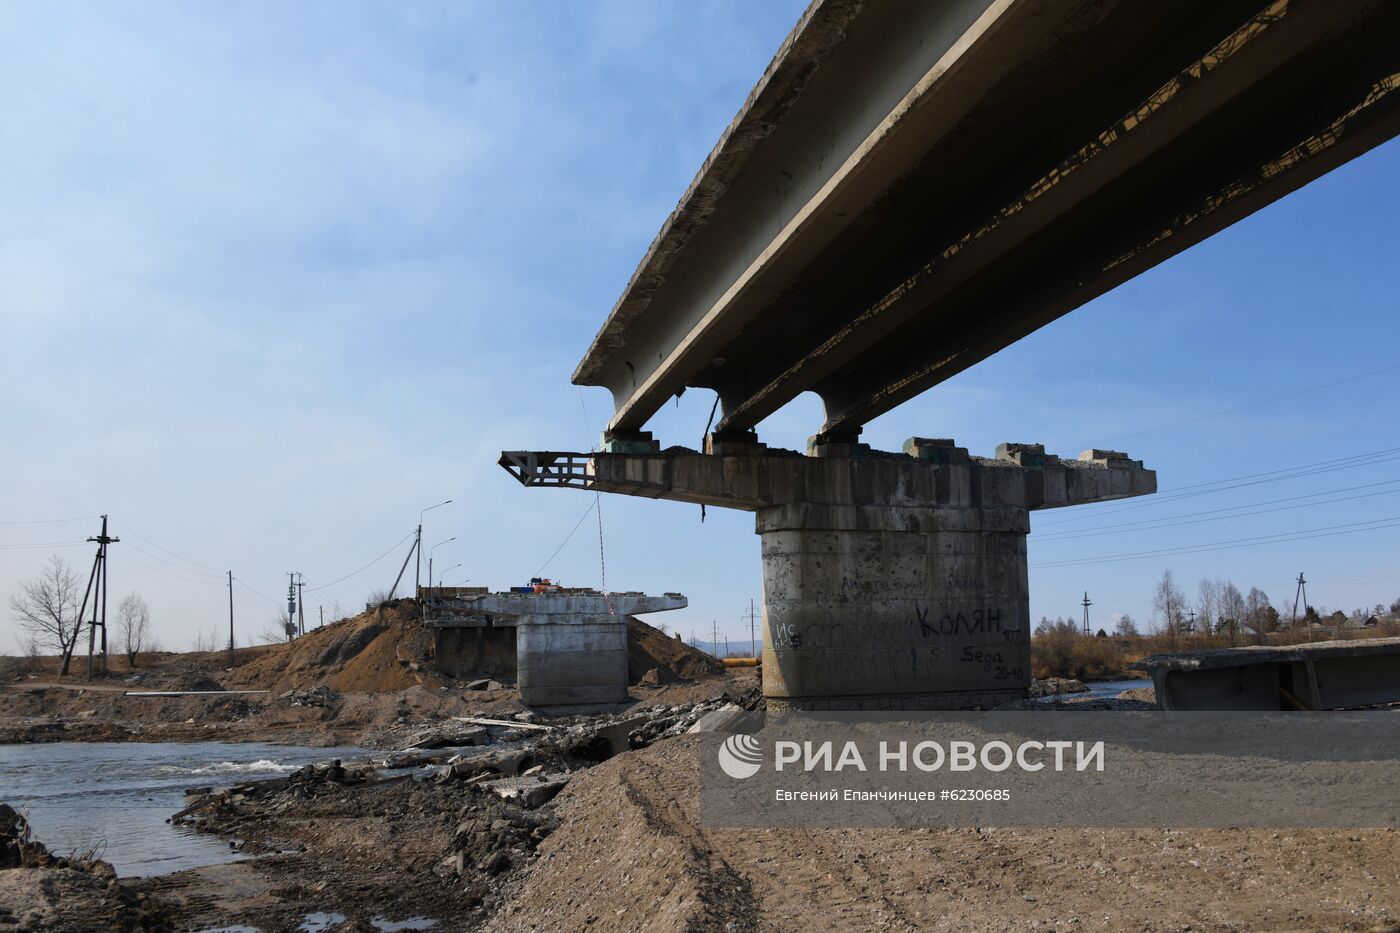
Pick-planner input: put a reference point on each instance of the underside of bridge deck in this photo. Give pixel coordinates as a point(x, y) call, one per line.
point(912, 187)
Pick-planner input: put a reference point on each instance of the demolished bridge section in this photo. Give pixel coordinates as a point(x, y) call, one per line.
point(565, 648)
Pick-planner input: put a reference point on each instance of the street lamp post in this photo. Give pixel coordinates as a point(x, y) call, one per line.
point(418, 548)
point(430, 556)
point(443, 574)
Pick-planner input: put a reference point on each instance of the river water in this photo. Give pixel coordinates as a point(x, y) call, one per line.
point(1107, 689)
point(116, 796)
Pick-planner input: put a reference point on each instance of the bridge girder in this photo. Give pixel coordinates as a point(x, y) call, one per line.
point(913, 187)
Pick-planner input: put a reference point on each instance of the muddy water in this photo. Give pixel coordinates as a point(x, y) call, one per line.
point(115, 797)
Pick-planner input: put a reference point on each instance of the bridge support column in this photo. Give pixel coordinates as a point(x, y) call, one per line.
point(894, 607)
point(890, 580)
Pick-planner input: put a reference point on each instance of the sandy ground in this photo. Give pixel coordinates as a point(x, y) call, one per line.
point(621, 848)
point(630, 853)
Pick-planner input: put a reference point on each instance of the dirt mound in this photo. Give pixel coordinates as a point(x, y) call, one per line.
point(378, 651)
point(673, 659)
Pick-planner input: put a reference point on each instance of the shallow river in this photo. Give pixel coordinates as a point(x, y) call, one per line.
point(1111, 688)
point(116, 796)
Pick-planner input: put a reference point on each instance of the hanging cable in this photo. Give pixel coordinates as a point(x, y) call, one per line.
point(577, 526)
point(1267, 401)
point(1325, 531)
point(131, 531)
point(1235, 511)
point(54, 521)
point(123, 555)
point(366, 566)
point(44, 544)
point(1092, 511)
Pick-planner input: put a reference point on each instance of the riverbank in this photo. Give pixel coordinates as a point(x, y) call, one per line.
point(591, 822)
point(618, 844)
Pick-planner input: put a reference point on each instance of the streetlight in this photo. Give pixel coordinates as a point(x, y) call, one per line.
point(430, 556)
point(418, 548)
point(443, 574)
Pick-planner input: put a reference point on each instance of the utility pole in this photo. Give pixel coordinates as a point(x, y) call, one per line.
point(1301, 593)
point(413, 549)
point(291, 604)
point(714, 637)
point(753, 639)
point(230, 618)
point(301, 606)
point(418, 547)
point(1191, 621)
point(322, 611)
point(1086, 604)
point(97, 584)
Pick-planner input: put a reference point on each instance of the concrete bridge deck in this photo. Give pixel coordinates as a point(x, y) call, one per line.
point(911, 187)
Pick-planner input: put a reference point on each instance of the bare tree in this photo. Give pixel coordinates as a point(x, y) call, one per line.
point(277, 631)
point(1125, 627)
point(1169, 603)
point(133, 626)
point(47, 608)
point(1232, 608)
point(1208, 603)
point(1259, 614)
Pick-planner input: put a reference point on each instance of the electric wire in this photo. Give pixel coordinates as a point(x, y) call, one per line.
point(267, 599)
point(132, 531)
point(578, 524)
point(1267, 401)
point(1237, 482)
point(366, 566)
point(42, 544)
point(1326, 531)
point(54, 521)
point(131, 545)
point(1236, 511)
point(123, 554)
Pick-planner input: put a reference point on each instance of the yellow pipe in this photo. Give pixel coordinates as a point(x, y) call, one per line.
point(741, 662)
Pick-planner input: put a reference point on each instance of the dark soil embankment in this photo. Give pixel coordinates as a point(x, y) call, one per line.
point(673, 660)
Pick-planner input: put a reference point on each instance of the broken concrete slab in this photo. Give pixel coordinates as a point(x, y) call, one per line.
point(449, 737)
point(719, 720)
point(1317, 676)
point(529, 792)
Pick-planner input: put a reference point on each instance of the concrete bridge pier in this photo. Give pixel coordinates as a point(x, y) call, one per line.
point(890, 580)
point(894, 607)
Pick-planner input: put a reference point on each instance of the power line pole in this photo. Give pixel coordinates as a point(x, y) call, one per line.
point(413, 549)
point(291, 603)
point(97, 583)
point(1086, 604)
point(301, 606)
point(1191, 621)
point(230, 618)
point(753, 639)
point(714, 637)
point(322, 611)
point(1301, 593)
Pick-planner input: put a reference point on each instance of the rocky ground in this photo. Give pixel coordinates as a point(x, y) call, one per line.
point(591, 822)
point(42, 892)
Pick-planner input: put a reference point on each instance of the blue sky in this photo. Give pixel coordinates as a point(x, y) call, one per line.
point(274, 277)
